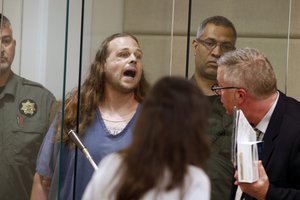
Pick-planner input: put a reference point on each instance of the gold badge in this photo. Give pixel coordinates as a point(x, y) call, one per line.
point(28, 107)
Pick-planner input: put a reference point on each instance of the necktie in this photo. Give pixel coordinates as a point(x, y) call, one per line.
point(258, 134)
point(260, 146)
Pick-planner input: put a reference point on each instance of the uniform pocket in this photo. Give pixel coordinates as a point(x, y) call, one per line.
point(25, 141)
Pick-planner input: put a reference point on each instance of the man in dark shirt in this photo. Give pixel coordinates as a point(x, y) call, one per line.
point(215, 36)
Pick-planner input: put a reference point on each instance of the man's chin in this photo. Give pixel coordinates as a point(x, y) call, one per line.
point(127, 88)
point(4, 67)
point(212, 77)
point(211, 74)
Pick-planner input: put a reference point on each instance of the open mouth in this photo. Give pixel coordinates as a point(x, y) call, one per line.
point(130, 73)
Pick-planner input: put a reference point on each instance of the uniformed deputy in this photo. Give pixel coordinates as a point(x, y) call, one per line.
point(25, 108)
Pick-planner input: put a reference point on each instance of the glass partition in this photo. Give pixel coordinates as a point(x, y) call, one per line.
point(56, 41)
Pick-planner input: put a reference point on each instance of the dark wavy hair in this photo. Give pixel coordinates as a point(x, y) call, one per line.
point(169, 134)
point(92, 91)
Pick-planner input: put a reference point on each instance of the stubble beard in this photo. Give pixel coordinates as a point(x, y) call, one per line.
point(208, 76)
point(4, 67)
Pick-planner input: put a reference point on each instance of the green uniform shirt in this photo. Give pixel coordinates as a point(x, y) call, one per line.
point(219, 167)
point(25, 108)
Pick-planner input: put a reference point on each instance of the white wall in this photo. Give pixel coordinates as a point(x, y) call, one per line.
point(34, 32)
point(56, 49)
point(52, 54)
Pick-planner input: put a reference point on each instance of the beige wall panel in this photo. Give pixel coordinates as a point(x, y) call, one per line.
point(151, 17)
point(104, 23)
point(253, 17)
point(179, 56)
point(293, 80)
point(157, 56)
point(295, 19)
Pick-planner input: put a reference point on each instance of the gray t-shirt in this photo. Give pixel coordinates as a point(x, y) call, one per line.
point(99, 143)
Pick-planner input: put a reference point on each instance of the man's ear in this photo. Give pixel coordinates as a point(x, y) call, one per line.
point(195, 46)
point(240, 96)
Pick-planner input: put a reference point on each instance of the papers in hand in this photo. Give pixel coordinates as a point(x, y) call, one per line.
point(244, 148)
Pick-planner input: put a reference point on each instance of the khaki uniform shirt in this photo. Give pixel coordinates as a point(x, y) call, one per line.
point(219, 167)
point(25, 108)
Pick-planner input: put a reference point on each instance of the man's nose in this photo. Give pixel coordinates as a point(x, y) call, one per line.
point(133, 58)
point(217, 51)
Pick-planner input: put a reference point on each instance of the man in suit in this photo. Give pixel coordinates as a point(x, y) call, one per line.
point(247, 80)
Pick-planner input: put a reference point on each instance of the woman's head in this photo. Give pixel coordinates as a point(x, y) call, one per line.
point(172, 123)
point(170, 134)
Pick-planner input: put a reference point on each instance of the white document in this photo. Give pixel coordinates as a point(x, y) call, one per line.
point(245, 132)
point(245, 153)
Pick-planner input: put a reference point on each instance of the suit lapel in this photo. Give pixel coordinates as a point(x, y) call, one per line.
point(273, 128)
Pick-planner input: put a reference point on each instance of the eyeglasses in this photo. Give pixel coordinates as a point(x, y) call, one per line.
point(217, 89)
point(212, 44)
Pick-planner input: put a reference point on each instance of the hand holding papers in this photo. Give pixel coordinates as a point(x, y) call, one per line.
point(245, 153)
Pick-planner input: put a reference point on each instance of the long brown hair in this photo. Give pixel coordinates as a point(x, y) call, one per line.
point(170, 134)
point(92, 91)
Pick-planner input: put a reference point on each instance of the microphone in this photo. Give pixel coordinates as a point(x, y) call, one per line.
point(82, 148)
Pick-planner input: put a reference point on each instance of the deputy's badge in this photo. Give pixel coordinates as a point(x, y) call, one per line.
point(28, 107)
